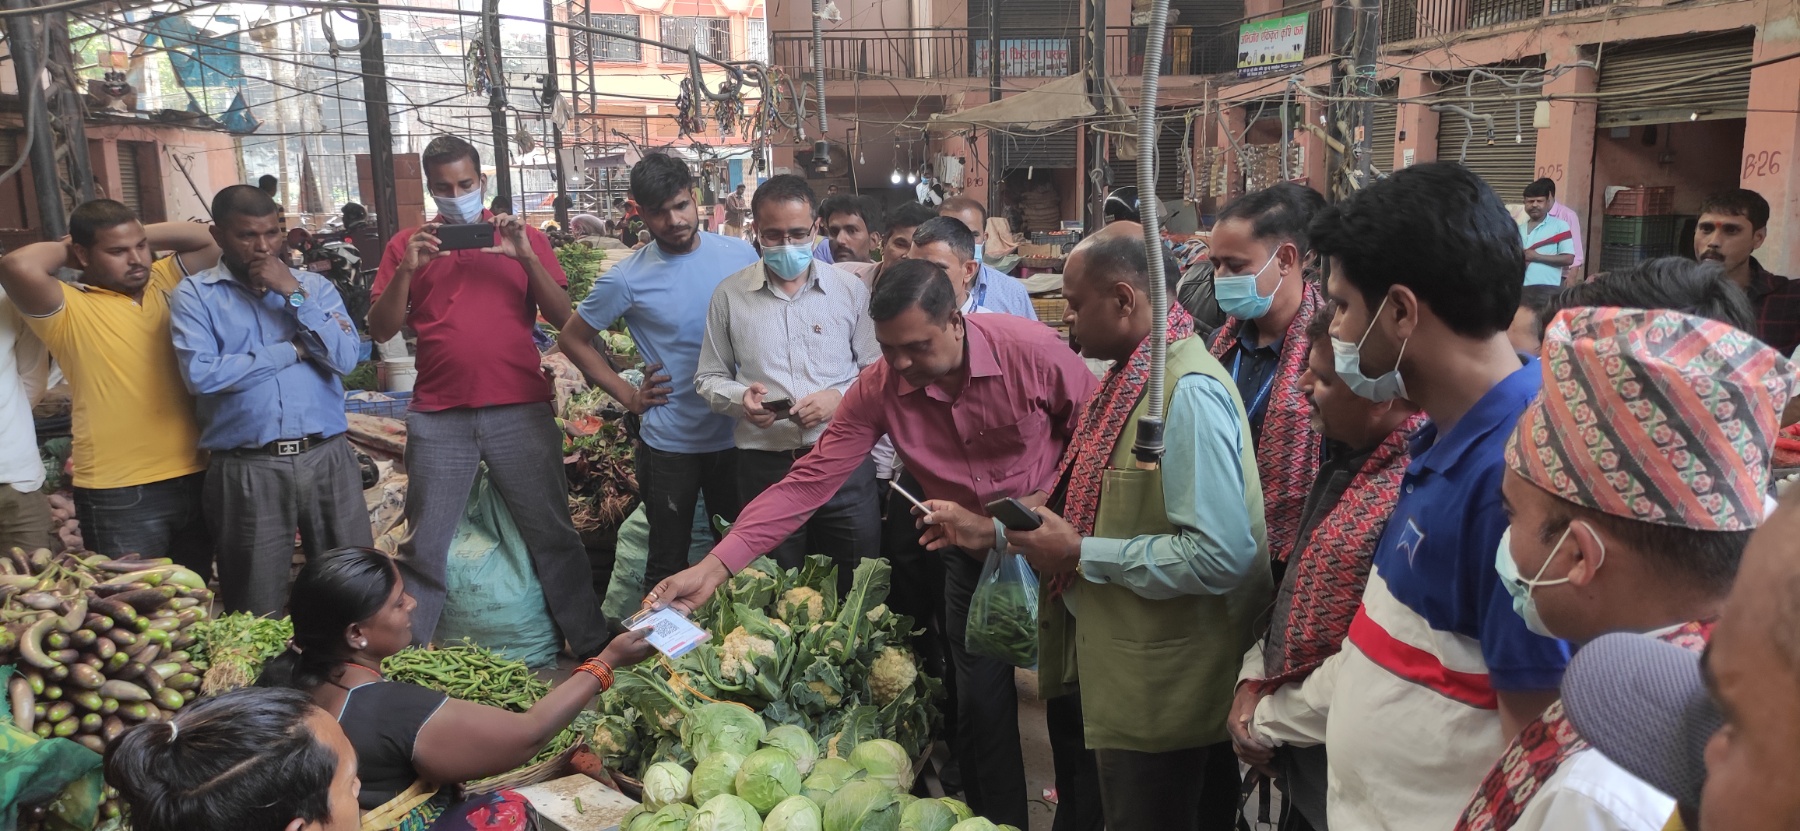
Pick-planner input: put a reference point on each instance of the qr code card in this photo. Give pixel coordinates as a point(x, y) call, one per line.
point(671, 634)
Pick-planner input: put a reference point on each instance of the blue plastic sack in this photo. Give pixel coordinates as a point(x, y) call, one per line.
point(493, 596)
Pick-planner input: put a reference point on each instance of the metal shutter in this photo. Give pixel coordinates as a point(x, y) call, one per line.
point(130, 192)
point(1047, 150)
point(1383, 127)
point(1630, 66)
point(1168, 168)
point(9, 149)
point(1027, 18)
point(1509, 163)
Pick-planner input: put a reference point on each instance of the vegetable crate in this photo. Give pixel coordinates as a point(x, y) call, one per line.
point(1621, 257)
point(1640, 230)
point(1642, 201)
point(385, 409)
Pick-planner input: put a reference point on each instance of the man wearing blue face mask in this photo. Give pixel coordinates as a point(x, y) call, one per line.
point(785, 337)
point(1436, 673)
point(1262, 280)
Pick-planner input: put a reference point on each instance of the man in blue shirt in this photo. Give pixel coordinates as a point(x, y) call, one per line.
point(1549, 242)
point(992, 290)
point(663, 291)
point(1437, 673)
point(263, 347)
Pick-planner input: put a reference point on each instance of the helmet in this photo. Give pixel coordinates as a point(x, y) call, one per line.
point(1121, 204)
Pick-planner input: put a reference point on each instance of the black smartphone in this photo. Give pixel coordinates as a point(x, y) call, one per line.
point(465, 237)
point(781, 407)
point(1014, 515)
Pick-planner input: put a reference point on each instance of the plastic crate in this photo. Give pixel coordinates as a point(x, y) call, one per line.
point(384, 409)
point(1621, 257)
point(1639, 230)
point(1642, 201)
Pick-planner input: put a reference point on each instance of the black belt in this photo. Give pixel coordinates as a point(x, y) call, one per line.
point(286, 447)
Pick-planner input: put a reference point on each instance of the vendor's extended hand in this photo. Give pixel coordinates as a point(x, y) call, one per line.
point(818, 408)
point(513, 241)
point(950, 524)
point(687, 589)
point(651, 391)
point(754, 412)
point(627, 648)
point(1052, 548)
point(1241, 725)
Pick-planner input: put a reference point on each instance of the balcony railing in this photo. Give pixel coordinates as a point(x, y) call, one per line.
point(1403, 20)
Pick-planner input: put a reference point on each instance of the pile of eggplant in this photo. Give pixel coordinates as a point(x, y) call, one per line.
point(100, 643)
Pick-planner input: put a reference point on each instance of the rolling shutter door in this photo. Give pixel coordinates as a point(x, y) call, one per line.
point(1628, 67)
point(1168, 168)
point(1026, 18)
point(1047, 150)
point(1509, 163)
point(130, 192)
point(1383, 128)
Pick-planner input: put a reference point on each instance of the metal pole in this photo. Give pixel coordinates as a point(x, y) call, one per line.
point(1368, 49)
point(994, 137)
point(490, 32)
point(23, 38)
point(552, 87)
point(1097, 95)
point(381, 131)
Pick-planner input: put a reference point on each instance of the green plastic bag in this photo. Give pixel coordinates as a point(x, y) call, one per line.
point(1003, 611)
point(36, 771)
point(493, 596)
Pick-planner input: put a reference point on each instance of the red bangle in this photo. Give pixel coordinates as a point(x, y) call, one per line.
point(600, 671)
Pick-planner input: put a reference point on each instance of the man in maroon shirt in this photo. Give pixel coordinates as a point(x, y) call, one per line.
point(480, 395)
point(1732, 225)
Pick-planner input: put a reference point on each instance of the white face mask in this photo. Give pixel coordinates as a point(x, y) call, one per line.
point(461, 209)
point(1347, 358)
point(1523, 603)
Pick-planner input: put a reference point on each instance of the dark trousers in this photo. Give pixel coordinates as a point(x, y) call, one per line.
point(159, 519)
point(255, 502)
point(522, 448)
point(669, 483)
point(918, 592)
point(1303, 784)
point(986, 743)
point(1181, 790)
point(846, 529)
point(1078, 804)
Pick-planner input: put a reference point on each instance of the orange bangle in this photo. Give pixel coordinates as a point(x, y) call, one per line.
point(600, 671)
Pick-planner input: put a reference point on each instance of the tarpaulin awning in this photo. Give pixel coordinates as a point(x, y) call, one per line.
point(1058, 102)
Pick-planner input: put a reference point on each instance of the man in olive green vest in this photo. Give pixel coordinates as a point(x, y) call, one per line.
point(1153, 578)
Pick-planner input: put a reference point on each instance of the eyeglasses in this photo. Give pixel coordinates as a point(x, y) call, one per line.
point(793, 236)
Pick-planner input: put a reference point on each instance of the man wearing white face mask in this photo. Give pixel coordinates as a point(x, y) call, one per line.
point(1259, 254)
point(1437, 673)
point(792, 329)
point(1628, 541)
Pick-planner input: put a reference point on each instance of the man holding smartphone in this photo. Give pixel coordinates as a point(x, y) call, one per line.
point(979, 407)
point(785, 338)
point(481, 395)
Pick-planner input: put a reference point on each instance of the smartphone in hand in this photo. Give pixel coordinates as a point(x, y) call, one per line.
point(465, 237)
point(1014, 515)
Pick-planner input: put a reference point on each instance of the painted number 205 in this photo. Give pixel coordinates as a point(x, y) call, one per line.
point(1763, 163)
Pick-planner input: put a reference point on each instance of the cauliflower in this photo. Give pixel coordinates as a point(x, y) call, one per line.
point(804, 599)
point(738, 651)
point(831, 696)
point(891, 673)
point(876, 614)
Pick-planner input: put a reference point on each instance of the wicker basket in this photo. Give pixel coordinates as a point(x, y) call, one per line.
point(555, 767)
point(1050, 309)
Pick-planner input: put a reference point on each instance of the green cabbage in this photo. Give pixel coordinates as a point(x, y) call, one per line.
point(726, 813)
point(717, 774)
point(767, 777)
point(796, 813)
point(721, 726)
point(665, 783)
point(862, 805)
point(974, 824)
point(797, 742)
point(958, 807)
point(927, 815)
point(885, 762)
point(827, 776)
point(671, 818)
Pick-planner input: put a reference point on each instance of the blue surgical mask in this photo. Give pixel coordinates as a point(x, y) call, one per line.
point(461, 209)
point(1524, 605)
point(788, 262)
point(1237, 295)
point(1347, 358)
point(978, 247)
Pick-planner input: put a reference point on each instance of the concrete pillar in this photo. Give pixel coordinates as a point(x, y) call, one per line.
point(1417, 124)
point(1771, 163)
point(1565, 149)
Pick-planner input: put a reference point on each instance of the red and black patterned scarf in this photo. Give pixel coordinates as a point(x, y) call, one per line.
point(1287, 454)
point(1097, 434)
point(1535, 754)
point(1332, 568)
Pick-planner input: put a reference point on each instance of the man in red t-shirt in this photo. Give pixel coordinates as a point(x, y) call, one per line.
point(480, 394)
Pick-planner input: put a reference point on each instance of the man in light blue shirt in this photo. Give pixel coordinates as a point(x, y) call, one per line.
point(263, 347)
point(662, 291)
point(991, 290)
point(1549, 242)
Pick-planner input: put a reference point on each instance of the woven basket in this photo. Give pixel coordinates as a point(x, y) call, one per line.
point(555, 767)
point(1050, 309)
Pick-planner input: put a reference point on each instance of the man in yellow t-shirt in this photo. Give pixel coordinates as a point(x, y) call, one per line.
point(138, 464)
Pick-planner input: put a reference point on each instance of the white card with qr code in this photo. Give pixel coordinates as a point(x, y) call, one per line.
point(671, 634)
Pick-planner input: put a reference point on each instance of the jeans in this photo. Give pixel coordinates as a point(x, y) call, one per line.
point(24, 520)
point(254, 504)
point(846, 529)
point(669, 483)
point(159, 519)
point(987, 708)
point(522, 447)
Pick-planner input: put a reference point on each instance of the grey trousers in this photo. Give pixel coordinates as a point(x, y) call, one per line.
point(523, 450)
point(255, 502)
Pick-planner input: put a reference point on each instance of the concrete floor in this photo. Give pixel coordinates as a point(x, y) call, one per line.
point(1034, 738)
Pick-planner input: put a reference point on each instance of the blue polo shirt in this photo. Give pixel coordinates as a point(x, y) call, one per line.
point(1437, 554)
point(663, 299)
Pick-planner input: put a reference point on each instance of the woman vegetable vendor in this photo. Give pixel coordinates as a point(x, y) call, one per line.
point(413, 745)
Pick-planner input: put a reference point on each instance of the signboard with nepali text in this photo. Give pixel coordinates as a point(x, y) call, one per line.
point(1273, 45)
